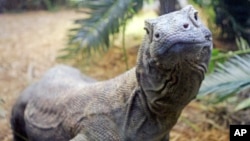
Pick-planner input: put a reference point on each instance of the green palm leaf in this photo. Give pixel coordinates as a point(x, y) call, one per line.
point(229, 78)
point(105, 18)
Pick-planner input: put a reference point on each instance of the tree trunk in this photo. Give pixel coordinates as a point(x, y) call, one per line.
point(167, 6)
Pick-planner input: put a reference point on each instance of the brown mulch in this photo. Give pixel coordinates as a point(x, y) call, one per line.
point(29, 45)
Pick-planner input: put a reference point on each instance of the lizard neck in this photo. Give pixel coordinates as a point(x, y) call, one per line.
point(157, 103)
point(166, 90)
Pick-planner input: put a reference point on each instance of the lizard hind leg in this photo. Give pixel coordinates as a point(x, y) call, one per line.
point(18, 123)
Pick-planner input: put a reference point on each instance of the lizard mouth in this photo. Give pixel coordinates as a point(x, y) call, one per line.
point(196, 55)
point(188, 45)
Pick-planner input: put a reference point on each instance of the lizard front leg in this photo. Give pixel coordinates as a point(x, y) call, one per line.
point(98, 128)
point(166, 138)
point(96, 135)
point(80, 137)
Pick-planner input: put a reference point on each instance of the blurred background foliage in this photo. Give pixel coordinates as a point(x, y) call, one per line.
point(227, 85)
point(229, 20)
point(231, 16)
point(228, 80)
point(27, 5)
point(95, 32)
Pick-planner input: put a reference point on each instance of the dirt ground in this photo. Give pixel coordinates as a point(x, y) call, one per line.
point(29, 45)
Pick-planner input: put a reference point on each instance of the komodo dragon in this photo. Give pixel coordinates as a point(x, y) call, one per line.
point(143, 104)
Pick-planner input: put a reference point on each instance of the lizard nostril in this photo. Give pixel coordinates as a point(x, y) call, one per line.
point(186, 25)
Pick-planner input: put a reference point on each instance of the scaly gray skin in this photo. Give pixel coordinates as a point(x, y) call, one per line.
point(142, 104)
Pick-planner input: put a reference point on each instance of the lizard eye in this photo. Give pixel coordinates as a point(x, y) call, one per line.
point(146, 29)
point(196, 16)
point(157, 35)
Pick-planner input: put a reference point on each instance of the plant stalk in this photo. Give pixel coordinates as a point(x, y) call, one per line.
point(124, 47)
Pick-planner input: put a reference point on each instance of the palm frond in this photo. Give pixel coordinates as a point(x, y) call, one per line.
point(229, 78)
point(105, 18)
point(244, 104)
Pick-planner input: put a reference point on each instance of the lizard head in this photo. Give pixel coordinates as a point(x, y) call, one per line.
point(173, 59)
point(178, 37)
